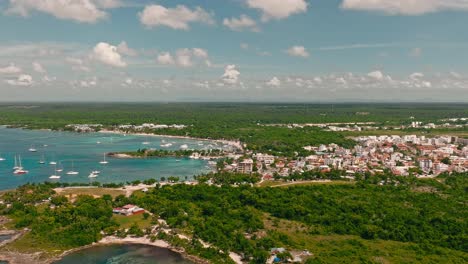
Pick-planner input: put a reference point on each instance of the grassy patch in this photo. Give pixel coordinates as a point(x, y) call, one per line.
point(28, 244)
point(127, 221)
point(335, 248)
point(96, 192)
point(299, 183)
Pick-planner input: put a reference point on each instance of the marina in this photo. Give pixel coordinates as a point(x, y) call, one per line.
point(81, 157)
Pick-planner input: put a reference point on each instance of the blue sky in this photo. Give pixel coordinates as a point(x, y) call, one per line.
point(234, 50)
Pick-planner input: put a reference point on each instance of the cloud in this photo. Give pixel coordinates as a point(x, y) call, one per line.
point(231, 75)
point(298, 51)
point(200, 53)
point(242, 23)
point(108, 3)
point(10, 69)
point(22, 80)
point(416, 52)
point(83, 11)
point(107, 54)
point(37, 67)
point(416, 76)
point(378, 75)
point(278, 9)
point(175, 18)
point(274, 82)
point(184, 57)
point(125, 50)
point(405, 7)
point(77, 64)
point(165, 58)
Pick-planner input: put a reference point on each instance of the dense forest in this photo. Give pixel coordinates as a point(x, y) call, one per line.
point(244, 122)
point(428, 215)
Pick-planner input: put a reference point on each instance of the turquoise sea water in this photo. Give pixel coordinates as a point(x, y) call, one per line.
point(124, 254)
point(85, 150)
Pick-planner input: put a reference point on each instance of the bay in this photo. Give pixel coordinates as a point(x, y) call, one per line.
point(83, 151)
point(123, 254)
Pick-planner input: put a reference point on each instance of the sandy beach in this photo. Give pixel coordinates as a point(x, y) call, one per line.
point(235, 144)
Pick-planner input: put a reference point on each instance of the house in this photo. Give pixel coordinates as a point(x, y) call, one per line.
point(245, 166)
point(128, 210)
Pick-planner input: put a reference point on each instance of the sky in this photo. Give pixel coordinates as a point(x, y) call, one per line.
point(234, 50)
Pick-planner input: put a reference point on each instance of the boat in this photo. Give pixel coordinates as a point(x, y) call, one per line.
point(60, 168)
point(73, 172)
point(16, 164)
point(92, 175)
point(42, 160)
point(166, 145)
point(53, 163)
point(32, 149)
point(184, 146)
point(19, 168)
point(54, 176)
point(177, 160)
point(104, 161)
point(96, 172)
point(145, 143)
point(2, 158)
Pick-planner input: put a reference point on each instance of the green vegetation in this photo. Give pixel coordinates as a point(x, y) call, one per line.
point(244, 122)
point(232, 218)
point(378, 219)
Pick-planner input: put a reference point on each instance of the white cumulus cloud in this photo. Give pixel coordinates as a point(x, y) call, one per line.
point(278, 9)
point(298, 51)
point(242, 23)
point(405, 7)
point(231, 75)
point(124, 49)
point(177, 18)
point(108, 54)
point(274, 82)
point(22, 80)
point(184, 57)
point(85, 11)
point(165, 58)
point(10, 69)
point(378, 75)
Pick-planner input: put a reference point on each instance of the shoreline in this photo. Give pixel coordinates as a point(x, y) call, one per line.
point(232, 143)
point(113, 240)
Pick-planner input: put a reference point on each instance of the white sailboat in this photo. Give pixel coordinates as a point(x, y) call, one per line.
point(55, 176)
point(73, 172)
point(42, 160)
point(2, 158)
point(32, 149)
point(19, 168)
point(92, 175)
point(16, 164)
point(104, 161)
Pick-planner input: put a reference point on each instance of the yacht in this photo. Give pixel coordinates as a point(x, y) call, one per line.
point(16, 164)
point(73, 172)
point(19, 168)
point(166, 145)
point(104, 161)
point(59, 167)
point(53, 163)
point(184, 146)
point(42, 160)
point(32, 149)
point(54, 176)
point(96, 172)
point(92, 175)
point(2, 158)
